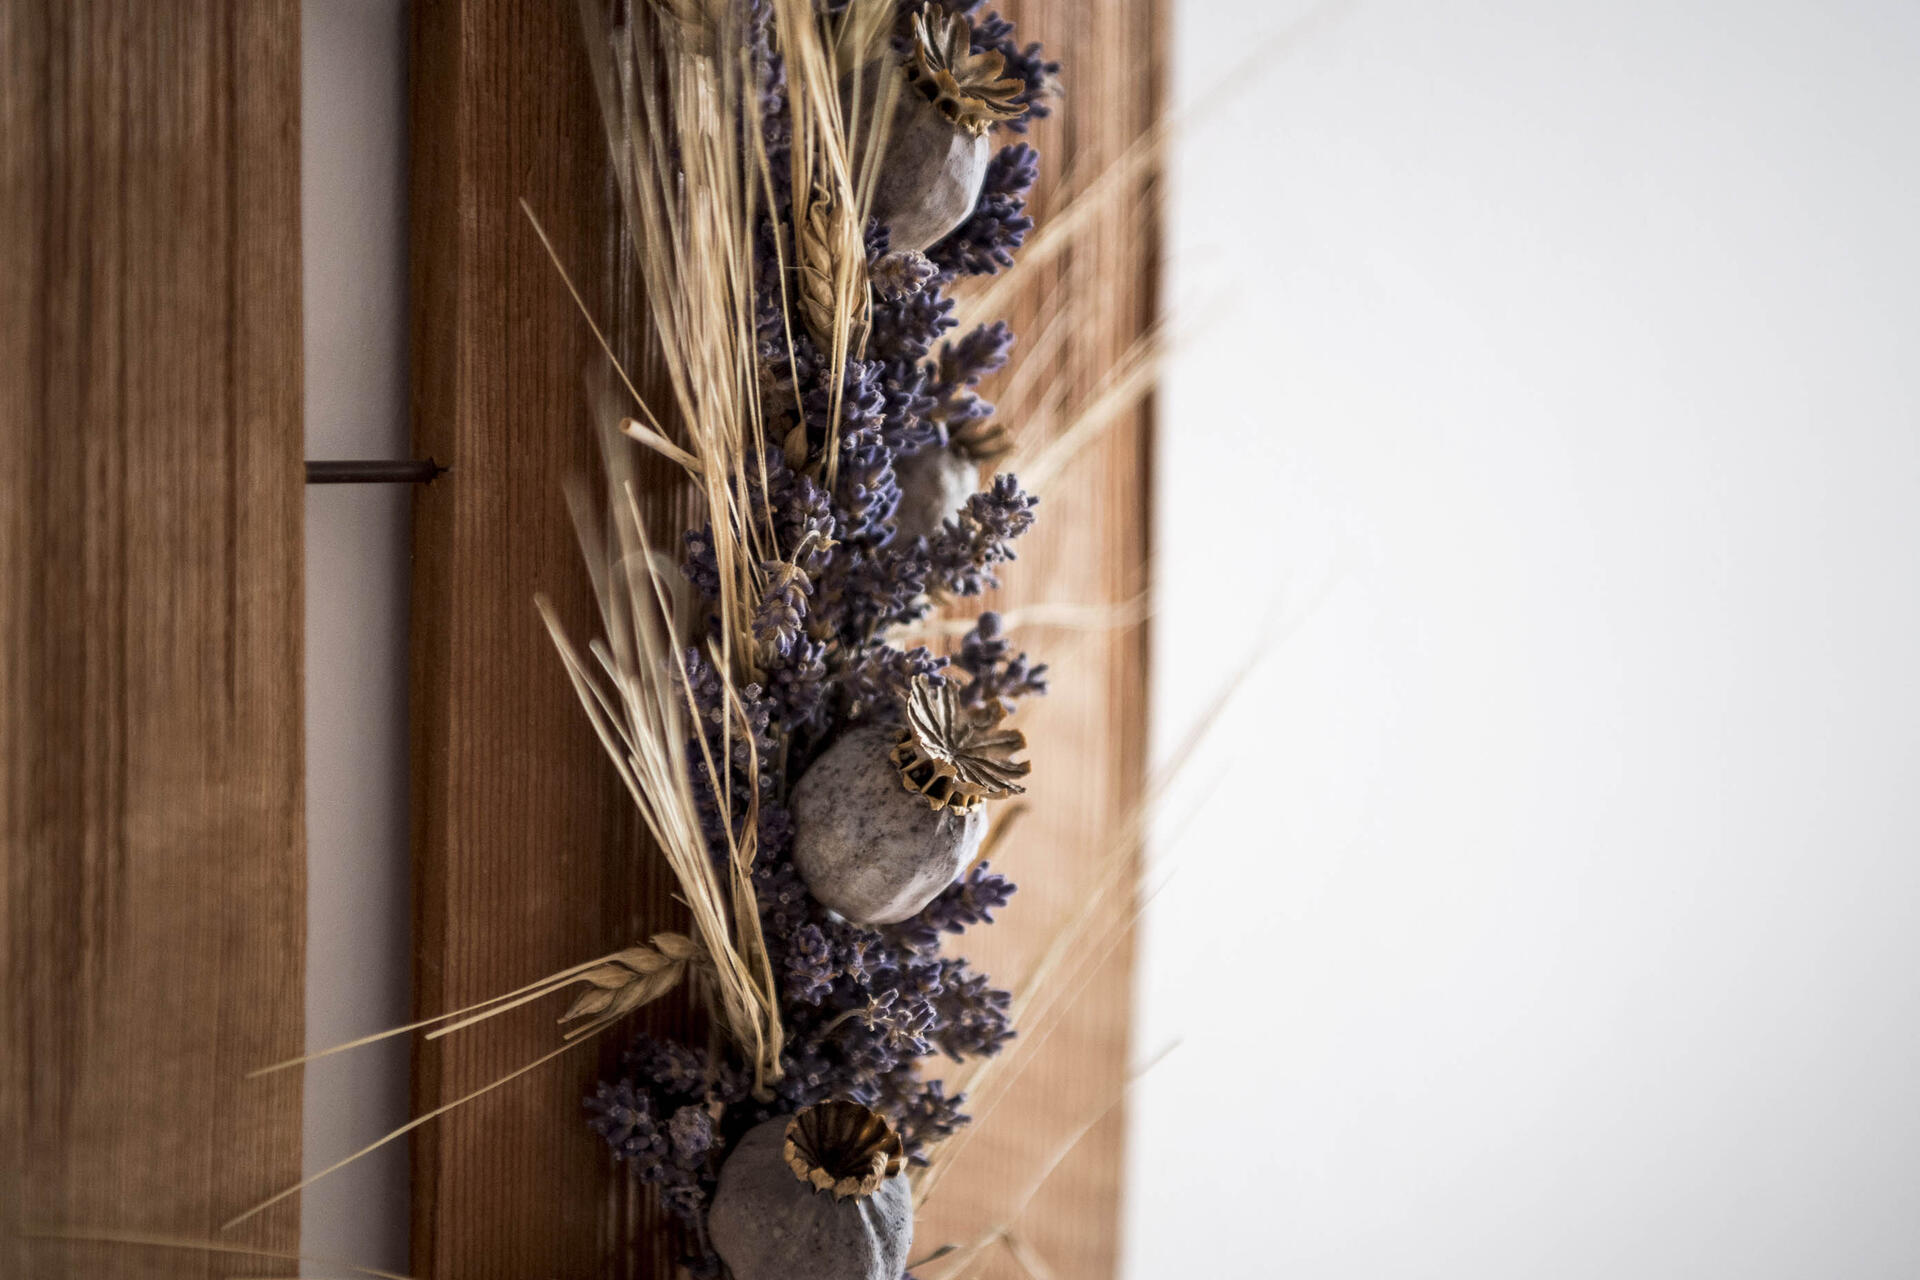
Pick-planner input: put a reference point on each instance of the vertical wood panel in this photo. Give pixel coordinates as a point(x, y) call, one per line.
point(150, 684)
point(527, 857)
point(1088, 735)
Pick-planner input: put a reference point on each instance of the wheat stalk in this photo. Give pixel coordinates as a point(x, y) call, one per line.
point(631, 978)
point(635, 688)
point(675, 99)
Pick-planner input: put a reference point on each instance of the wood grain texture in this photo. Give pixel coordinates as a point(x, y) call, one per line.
point(527, 857)
point(153, 916)
point(1076, 317)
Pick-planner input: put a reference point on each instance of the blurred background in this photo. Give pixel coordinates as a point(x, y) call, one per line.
point(1547, 415)
point(1536, 473)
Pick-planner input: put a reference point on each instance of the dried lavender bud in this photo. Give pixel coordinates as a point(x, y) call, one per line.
point(810, 970)
point(957, 404)
point(770, 1221)
point(880, 675)
point(896, 276)
point(999, 674)
point(934, 487)
point(867, 847)
point(962, 554)
point(970, 1016)
point(968, 901)
point(691, 1134)
point(783, 606)
point(625, 1117)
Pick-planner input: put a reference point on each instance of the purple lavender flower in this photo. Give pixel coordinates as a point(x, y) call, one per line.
point(961, 367)
point(673, 1067)
point(699, 566)
point(962, 555)
point(880, 675)
point(783, 606)
point(810, 971)
point(968, 901)
point(999, 674)
point(624, 1116)
point(691, 1134)
point(973, 1015)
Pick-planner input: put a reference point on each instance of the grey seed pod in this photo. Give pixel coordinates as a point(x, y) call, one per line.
point(948, 98)
point(931, 174)
point(868, 847)
point(934, 484)
point(817, 1195)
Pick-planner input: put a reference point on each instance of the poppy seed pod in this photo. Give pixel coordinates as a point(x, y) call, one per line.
point(931, 176)
point(887, 817)
point(816, 1194)
point(937, 148)
point(868, 849)
point(936, 483)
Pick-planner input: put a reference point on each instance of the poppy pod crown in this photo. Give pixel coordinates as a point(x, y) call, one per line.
point(957, 756)
point(842, 1147)
point(971, 89)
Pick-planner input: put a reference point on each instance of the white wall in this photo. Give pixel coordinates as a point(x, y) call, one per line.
point(1556, 915)
point(353, 215)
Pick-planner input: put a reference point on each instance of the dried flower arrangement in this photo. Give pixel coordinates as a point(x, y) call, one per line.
point(818, 174)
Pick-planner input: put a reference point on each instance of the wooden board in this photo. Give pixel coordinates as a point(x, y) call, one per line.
point(527, 855)
point(1088, 735)
point(527, 858)
point(152, 910)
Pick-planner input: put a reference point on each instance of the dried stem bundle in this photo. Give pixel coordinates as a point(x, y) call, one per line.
point(675, 98)
point(677, 93)
point(636, 689)
point(831, 199)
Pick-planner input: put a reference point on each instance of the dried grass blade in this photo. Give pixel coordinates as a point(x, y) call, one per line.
point(657, 438)
point(1066, 1148)
point(1028, 1258)
point(150, 1240)
point(638, 694)
point(1038, 989)
point(401, 1132)
point(544, 984)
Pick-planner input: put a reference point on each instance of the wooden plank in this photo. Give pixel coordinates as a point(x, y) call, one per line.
point(153, 916)
point(1088, 735)
point(526, 856)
